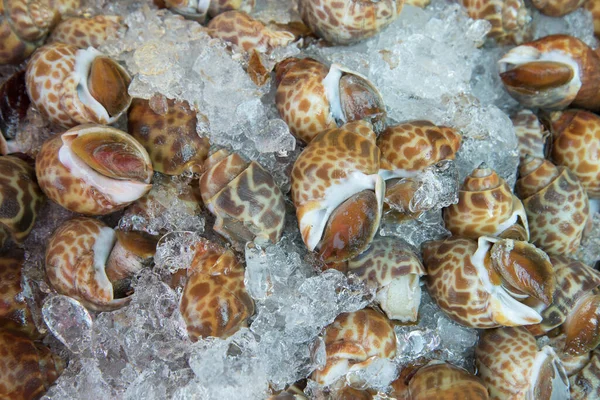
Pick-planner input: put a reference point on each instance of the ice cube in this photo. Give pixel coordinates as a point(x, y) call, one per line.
point(69, 322)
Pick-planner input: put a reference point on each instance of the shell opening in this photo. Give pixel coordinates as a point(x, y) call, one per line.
point(400, 299)
point(332, 92)
point(548, 377)
point(518, 216)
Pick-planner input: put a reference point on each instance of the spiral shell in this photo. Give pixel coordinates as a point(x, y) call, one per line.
point(353, 341)
point(585, 385)
point(311, 98)
point(86, 32)
point(93, 169)
point(337, 192)
point(552, 73)
point(27, 369)
point(479, 284)
point(214, 300)
point(556, 205)
point(510, 19)
point(170, 138)
point(71, 86)
point(531, 133)
point(342, 22)
point(486, 207)
point(557, 8)
point(247, 202)
point(511, 366)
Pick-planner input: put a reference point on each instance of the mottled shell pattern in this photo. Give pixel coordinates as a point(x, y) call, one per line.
point(199, 9)
point(552, 73)
point(86, 32)
point(312, 97)
point(20, 199)
point(576, 145)
point(392, 267)
point(481, 284)
point(169, 136)
point(244, 197)
point(93, 169)
point(585, 385)
point(557, 8)
point(70, 86)
point(353, 341)
point(337, 191)
point(486, 207)
point(510, 19)
point(27, 368)
point(342, 22)
point(511, 366)
point(214, 300)
point(556, 205)
point(531, 133)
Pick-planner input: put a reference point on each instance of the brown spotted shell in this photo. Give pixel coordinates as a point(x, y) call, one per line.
point(244, 197)
point(511, 366)
point(27, 369)
point(585, 385)
point(170, 137)
point(214, 300)
point(86, 32)
point(486, 207)
point(343, 22)
point(510, 19)
point(556, 205)
point(70, 86)
point(593, 6)
point(531, 133)
point(557, 8)
point(353, 341)
point(20, 199)
point(576, 145)
point(93, 169)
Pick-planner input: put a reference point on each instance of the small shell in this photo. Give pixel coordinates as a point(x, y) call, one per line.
point(486, 207)
point(170, 138)
point(557, 8)
point(512, 367)
point(593, 6)
point(556, 205)
point(93, 169)
point(576, 145)
point(311, 97)
point(214, 300)
point(531, 133)
point(510, 19)
point(20, 199)
point(552, 73)
point(244, 197)
point(585, 385)
point(353, 341)
point(27, 369)
point(342, 22)
point(86, 32)
point(71, 86)
point(337, 192)
point(394, 270)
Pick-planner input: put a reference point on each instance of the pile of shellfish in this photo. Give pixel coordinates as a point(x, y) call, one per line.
point(508, 267)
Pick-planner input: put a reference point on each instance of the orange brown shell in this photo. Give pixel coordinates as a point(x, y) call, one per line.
point(85, 32)
point(593, 6)
point(557, 8)
point(509, 18)
point(444, 381)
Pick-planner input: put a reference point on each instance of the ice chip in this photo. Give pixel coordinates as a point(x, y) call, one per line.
point(69, 322)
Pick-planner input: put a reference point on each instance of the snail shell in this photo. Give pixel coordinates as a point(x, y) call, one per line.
point(337, 192)
point(93, 169)
point(244, 197)
point(585, 385)
point(199, 9)
point(593, 6)
point(511, 366)
point(552, 73)
point(14, 103)
point(27, 369)
point(531, 133)
point(214, 300)
point(510, 19)
point(348, 21)
point(311, 98)
point(480, 284)
point(417, 3)
point(556, 205)
point(170, 138)
point(86, 32)
point(394, 270)
point(576, 145)
point(20, 199)
point(486, 207)
point(353, 341)
point(557, 8)
point(70, 86)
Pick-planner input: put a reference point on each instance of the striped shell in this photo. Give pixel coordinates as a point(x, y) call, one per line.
point(20, 199)
point(511, 366)
point(71, 86)
point(93, 169)
point(244, 197)
point(214, 300)
point(486, 207)
point(531, 133)
point(510, 19)
point(86, 32)
point(556, 205)
point(557, 8)
point(342, 22)
point(337, 192)
point(353, 341)
point(170, 138)
point(585, 385)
